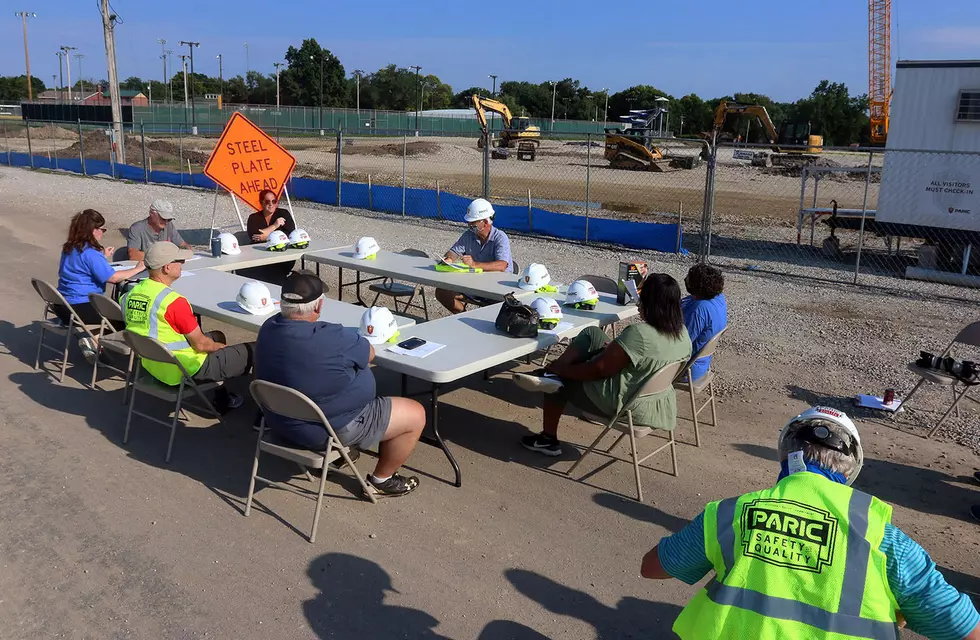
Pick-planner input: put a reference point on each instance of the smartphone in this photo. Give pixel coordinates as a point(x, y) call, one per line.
point(411, 343)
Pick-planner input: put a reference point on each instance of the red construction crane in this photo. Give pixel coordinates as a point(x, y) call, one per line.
point(879, 67)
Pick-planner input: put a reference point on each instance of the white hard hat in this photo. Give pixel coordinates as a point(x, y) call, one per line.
point(229, 244)
point(277, 241)
point(366, 248)
point(534, 277)
point(378, 325)
point(479, 209)
point(299, 239)
point(255, 298)
point(840, 419)
point(581, 293)
point(549, 312)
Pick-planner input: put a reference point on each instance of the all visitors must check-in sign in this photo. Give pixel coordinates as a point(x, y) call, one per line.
point(246, 161)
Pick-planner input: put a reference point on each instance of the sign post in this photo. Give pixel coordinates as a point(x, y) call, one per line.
point(246, 161)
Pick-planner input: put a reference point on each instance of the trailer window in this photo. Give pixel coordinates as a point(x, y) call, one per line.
point(969, 107)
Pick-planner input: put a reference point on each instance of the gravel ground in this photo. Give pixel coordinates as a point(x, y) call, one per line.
point(100, 539)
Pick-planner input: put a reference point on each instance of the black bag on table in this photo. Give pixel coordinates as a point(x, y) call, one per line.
point(516, 319)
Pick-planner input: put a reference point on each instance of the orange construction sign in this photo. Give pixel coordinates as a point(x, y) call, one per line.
point(246, 161)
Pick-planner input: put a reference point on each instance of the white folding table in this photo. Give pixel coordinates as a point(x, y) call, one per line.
point(473, 345)
point(387, 264)
point(212, 294)
point(253, 255)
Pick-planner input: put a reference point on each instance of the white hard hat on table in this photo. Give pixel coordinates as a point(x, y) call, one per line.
point(378, 325)
point(229, 244)
point(255, 298)
point(365, 248)
point(534, 277)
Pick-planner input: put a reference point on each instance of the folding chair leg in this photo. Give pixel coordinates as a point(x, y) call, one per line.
point(694, 413)
point(956, 402)
point(40, 343)
point(714, 411)
point(255, 469)
point(129, 414)
point(173, 425)
point(909, 396)
point(617, 441)
point(636, 462)
point(956, 411)
point(589, 450)
point(425, 306)
point(357, 474)
point(95, 366)
point(673, 453)
point(129, 373)
point(64, 355)
point(378, 295)
point(319, 495)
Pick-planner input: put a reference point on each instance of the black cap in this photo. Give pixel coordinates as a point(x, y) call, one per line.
point(302, 287)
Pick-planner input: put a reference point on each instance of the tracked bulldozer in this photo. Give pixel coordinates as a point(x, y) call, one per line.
point(632, 147)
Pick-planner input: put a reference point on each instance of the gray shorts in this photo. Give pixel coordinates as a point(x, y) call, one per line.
point(367, 429)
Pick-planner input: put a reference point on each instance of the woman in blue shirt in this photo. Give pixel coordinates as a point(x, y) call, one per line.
point(85, 269)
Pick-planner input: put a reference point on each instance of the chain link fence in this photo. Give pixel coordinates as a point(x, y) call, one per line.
point(799, 212)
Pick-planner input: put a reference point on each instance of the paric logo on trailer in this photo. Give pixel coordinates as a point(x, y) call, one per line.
point(246, 161)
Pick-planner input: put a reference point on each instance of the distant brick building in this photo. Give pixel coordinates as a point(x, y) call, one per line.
point(127, 97)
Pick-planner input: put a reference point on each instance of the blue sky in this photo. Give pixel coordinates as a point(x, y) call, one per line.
point(777, 47)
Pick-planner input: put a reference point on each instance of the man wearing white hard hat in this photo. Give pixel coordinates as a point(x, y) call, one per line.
point(331, 365)
point(809, 557)
point(158, 226)
point(482, 246)
point(154, 309)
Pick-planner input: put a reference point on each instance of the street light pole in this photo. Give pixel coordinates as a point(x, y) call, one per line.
point(183, 65)
point(554, 92)
point(493, 92)
point(24, 15)
point(605, 110)
point(170, 81)
point(357, 74)
point(247, 65)
point(81, 78)
point(163, 56)
point(277, 65)
point(221, 80)
point(190, 46)
point(417, 69)
point(68, 51)
point(321, 94)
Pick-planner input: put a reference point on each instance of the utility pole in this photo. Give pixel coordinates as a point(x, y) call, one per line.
point(183, 65)
point(24, 15)
point(417, 69)
point(554, 92)
point(163, 56)
point(68, 51)
point(221, 79)
point(190, 46)
point(108, 29)
point(277, 65)
point(248, 67)
point(357, 74)
point(61, 75)
point(605, 110)
point(321, 95)
point(170, 81)
point(81, 78)
point(493, 91)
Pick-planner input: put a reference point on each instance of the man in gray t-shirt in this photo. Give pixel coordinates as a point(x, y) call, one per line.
point(157, 227)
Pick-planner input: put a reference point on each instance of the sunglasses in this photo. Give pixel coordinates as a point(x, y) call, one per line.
point(102, 229)
point(269, 201)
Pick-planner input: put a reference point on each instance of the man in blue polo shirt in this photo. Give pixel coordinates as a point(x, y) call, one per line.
point(482, 245)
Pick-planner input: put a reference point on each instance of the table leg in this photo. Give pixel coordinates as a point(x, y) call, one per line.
point(340, 283)
point(357, 289)
point(437, 440)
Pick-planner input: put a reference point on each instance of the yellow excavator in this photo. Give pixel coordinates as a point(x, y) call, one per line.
point(789, 134)
point(516, 129)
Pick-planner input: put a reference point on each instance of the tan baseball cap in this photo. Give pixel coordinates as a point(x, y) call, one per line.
point(163, 208)
point(160, 254)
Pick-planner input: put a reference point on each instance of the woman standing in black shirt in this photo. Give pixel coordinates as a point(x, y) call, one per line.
point(271, 218)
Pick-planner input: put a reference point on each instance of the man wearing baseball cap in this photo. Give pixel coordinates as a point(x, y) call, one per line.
point(157, 227)
point(482, 245)
point(154, 309)
point(331, 366)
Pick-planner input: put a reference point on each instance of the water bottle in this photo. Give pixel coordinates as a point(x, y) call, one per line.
point(215, 247)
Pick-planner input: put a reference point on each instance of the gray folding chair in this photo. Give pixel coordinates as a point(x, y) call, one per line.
point(152, 349)
point(467, 300)
point(396, 290)
point(111, 339)
point(50, 323)
point(290, 403)
point(707, 381)
point(623, 422)
point(968, 336)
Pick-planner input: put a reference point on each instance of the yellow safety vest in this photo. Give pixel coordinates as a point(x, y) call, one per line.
point(794, 562)
point(146, 304)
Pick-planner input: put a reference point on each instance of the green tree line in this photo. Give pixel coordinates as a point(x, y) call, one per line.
point(313, 76)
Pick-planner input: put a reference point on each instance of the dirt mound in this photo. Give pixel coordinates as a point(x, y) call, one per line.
point(797, 170)
point(417, 148)
point(166, 155)
point(48, 132)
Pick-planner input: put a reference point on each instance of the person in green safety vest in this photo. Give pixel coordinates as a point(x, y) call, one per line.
point(154, 309)
point(809, 557)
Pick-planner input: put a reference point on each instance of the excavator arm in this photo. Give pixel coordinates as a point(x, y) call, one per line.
point(726, 109)
point(482, 105)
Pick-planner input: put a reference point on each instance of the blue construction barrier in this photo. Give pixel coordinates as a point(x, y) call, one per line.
point(419, 203)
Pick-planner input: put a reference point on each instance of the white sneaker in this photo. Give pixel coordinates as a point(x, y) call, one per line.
point(538, 382)
point(89, 349)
